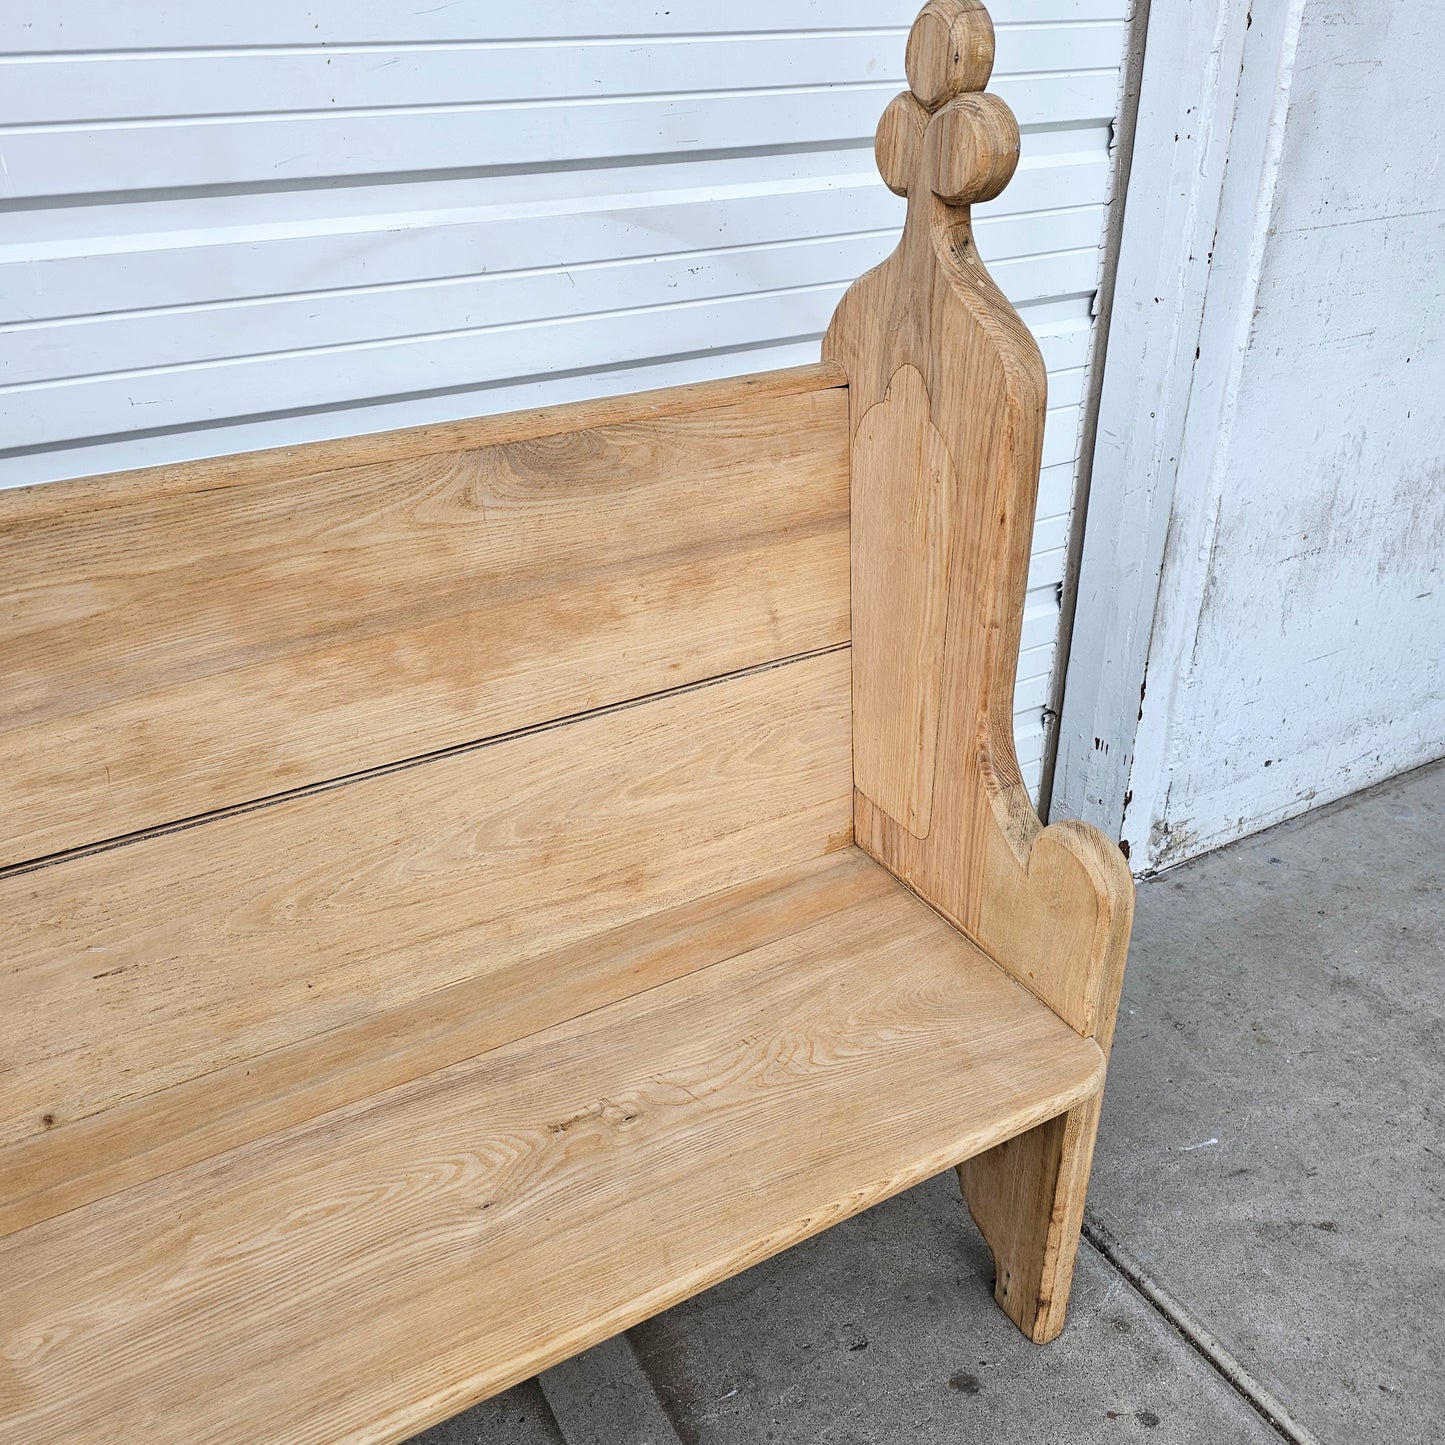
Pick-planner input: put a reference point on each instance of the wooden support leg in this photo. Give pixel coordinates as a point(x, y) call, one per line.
point(1027, 1198)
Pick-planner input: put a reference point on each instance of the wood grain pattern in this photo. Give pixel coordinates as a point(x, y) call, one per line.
point(328, 1116)
point(898, 142)
point(137, 968)
point(463, 1231)
point(1027, 1197)
point(245, 469)
point(1028, 1194)
point(973, 149)
point(950, 50)
point(1052, 905)
point(181, 641)
point(45, 1174)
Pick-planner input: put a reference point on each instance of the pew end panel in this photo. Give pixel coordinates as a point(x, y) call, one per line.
point(946, 407)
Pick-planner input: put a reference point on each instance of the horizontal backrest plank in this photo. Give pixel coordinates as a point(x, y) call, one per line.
point(153, 962)
point(194, 637)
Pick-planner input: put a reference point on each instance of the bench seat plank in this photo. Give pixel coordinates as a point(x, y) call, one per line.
point(364, 1273)
point(46, 1174)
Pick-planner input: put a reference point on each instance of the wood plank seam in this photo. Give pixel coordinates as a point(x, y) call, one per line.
point(24, 1163)
point(139, 967)
point(294, 628)
point(252, 805)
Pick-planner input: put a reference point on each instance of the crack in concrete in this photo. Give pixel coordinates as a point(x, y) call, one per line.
point(1203, 1342)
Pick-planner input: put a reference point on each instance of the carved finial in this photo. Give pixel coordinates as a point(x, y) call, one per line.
point(943, 133)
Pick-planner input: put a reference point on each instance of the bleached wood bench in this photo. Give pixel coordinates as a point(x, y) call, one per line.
point(451, 898)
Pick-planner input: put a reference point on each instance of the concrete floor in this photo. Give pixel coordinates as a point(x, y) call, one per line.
point(1265, 1250)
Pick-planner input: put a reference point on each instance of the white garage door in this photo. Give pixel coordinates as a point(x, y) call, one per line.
point(236, 226)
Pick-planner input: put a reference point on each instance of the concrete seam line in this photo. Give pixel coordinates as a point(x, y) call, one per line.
point(1206, 1344)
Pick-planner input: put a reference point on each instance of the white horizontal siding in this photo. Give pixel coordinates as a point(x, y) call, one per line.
point(84, 27)
point(235, 227)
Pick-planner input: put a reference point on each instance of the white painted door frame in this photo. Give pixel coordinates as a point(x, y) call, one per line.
point(1212, 102)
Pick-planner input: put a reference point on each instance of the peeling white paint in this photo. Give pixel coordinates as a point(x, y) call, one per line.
point(1296, 645)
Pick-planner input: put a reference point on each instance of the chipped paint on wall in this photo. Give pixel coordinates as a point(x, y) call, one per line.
point(1301, 620)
